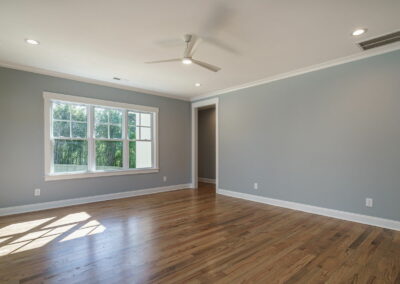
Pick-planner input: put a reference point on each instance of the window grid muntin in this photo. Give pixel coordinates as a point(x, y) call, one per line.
point(70, 120)
point(70, 138)
point(139, 126)
point(108, 123)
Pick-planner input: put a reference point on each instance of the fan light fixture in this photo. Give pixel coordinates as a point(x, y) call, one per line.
point(32, 41)
point(187, 57)
point(187, 61)
point(359, 32)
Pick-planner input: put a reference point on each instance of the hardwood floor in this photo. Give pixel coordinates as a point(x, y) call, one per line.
point(192, 236)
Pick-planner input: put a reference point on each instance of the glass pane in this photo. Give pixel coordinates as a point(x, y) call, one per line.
point(115, 131)
point(70, 155)
point(132, 132)
point(61, 129)
point(145, 133)
point(143, 154)
point(100, 115)
point(132, 154)
point(79, 129)
point(78, 113)
point(145, 119)
point(61, 111)
point(101, 131)
point(132, 117)
point(108, 155)
point(115, 116)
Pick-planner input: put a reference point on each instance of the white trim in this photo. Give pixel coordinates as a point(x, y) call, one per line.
point(49, 176)
point(209, 102)
point(312, 68)
point(63, 176)
point(195, 108)
point(155, 143)
point(206, 180)
point(89, 80)
point(90, 199)
point(85, 100)
point(343, 215)
point(194, 147)
point(47, 143)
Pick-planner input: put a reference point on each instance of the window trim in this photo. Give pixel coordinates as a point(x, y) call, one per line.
point(49, 97)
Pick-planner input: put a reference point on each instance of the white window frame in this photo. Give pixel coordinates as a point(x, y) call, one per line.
point(48, 153)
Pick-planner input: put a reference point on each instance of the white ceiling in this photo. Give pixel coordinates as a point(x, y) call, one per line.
point(250, 40)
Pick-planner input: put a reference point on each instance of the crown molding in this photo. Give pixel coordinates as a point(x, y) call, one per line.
point(293, 73)
point(87, 80)
point(312, 68)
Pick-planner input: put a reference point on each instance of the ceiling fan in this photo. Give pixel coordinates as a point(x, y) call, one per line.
point(188, 56)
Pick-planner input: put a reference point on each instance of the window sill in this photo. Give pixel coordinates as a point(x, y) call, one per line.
point(64, 176)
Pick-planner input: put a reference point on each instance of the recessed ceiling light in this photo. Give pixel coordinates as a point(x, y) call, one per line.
point(32, 41)
point(197, 84)
point(187, 61)
point(359, 32)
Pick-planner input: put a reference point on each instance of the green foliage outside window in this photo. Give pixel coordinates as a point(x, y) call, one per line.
point(132, 154)
point(109, 155)
point(70, 155)
point(70, 121)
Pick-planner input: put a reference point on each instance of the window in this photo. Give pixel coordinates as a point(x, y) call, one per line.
point(139, 135)
point(87, 137)
point(108, 138)
point(70, 143)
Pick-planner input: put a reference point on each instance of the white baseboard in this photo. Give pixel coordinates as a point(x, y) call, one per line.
point(207, 180)
point(89, 199)
point(348, 216)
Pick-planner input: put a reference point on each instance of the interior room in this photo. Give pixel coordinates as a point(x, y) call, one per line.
point(212, 141)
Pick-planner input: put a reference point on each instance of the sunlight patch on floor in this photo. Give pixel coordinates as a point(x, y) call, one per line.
point(69, 219)
point(4, 239)
point(35, 234)
point(91, 228)
point(31, 236)
point(37, 243)
point(22, 227)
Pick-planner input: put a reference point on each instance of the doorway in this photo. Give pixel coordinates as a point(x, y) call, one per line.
point(205, 143)
point(206, 146)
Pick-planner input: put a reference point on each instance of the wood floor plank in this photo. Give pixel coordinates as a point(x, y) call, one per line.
point(192, 236)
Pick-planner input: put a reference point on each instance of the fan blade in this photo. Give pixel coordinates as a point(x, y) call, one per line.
point(220, 44)
point(219, 18)
point(168, 43)
point(206, 65)
point(162, 61)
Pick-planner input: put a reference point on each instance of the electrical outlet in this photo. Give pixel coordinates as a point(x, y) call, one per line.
point(36, 192)
point(369, 202)
point(256, 185)
point(164, 178)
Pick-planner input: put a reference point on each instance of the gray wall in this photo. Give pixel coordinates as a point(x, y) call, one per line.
point(206, 143)
point(328, 138)
point(22, 150)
